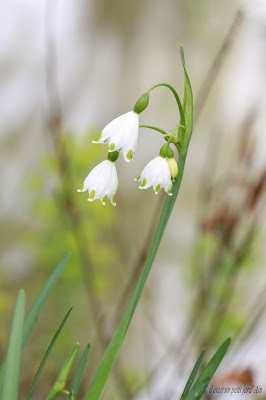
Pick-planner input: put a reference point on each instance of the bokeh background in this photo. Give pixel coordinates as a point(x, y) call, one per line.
point(66, 69)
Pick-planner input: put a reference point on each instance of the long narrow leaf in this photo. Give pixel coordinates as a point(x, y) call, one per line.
point(187, 107)
point(36, 308)
point(12, 370)
point(97, 387)
point(208, 371)
point(79, 372)
point(70, 396)
point(213, 364)
point(48, 351)
point(39, 302)
point(192, 375)
point(197, 391)
point(60, 383)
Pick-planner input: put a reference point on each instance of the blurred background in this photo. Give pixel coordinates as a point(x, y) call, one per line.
point(67, 68)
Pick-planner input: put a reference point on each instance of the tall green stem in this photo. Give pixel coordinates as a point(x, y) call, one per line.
point(97, 387)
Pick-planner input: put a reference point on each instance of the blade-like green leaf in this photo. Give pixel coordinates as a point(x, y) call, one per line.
point(62, 378)
point(197, 392)
point(39, 302)
point(79, 372)
point(187, 107)
point(48, 351)
point(12, 370)
point(36, 308)
point(70, 396)
point(192, 375)
point(209, 370)
point(97, 387)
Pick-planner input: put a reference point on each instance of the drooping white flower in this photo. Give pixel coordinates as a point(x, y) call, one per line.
point(121, 134)
point(101, 182)
point(156, 174)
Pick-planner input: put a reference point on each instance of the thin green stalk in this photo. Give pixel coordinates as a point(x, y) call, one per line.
point(154, 128)
point(96, 390)
point(182, 115)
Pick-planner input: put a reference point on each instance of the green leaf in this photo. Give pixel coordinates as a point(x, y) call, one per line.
point(70, 396)
point(12, 370)
point(197, 392)
point(187, 107)
point(192, 375)
point(98, 385)
point(36, 308)
point(208, 371)
point(48, 351)
point(79, 372)
point(39, 302)
point(62, 378)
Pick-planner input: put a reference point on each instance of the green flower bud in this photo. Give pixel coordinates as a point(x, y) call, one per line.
point(113, 156)
point(166, 151)
point(172, 164)
point(142, 103)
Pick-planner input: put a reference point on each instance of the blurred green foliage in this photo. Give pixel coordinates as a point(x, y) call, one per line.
point(53, 230)
point(63, 219)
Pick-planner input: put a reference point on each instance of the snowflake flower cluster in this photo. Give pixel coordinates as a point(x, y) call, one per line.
point(121, 135)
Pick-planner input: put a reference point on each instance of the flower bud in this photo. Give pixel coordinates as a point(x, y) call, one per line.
point(172, 164)
point(142, 103)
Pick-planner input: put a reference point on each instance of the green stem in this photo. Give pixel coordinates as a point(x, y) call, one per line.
point(154, 128)
point(182, 115)
point(97, 387)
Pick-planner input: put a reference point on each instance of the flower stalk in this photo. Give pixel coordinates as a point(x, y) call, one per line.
point(97, 387)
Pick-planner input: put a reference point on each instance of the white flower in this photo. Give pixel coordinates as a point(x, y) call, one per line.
point(101, 182)
point(156, 174)
point(121, 133)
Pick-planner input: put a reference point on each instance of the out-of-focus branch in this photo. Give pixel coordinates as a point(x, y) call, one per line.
point(215, 67)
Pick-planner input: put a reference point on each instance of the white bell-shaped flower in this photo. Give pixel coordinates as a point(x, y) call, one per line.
point(101, 182)
point(156, 174)
point(121, 134)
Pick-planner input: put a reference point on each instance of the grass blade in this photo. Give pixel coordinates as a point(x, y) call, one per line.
point(79, 372)
point(36, 308)
point(39, 302)
point(197, 392)
point(48, 351)
point(187, 107)
point(192, 375)
point(98, 385)
point(12, 370)
point(208, 371)
point(60, 383)
point(70, 396)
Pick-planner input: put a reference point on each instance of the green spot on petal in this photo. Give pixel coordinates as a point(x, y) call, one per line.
point(81, 187)
point(143, 183)
point(129, 155)
point(98, 137)
point(112, 146)
point(113, 200)
point(138, 178)
point(92, 194)
point(105, 198)
point(169, 189)
point(157, 188)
